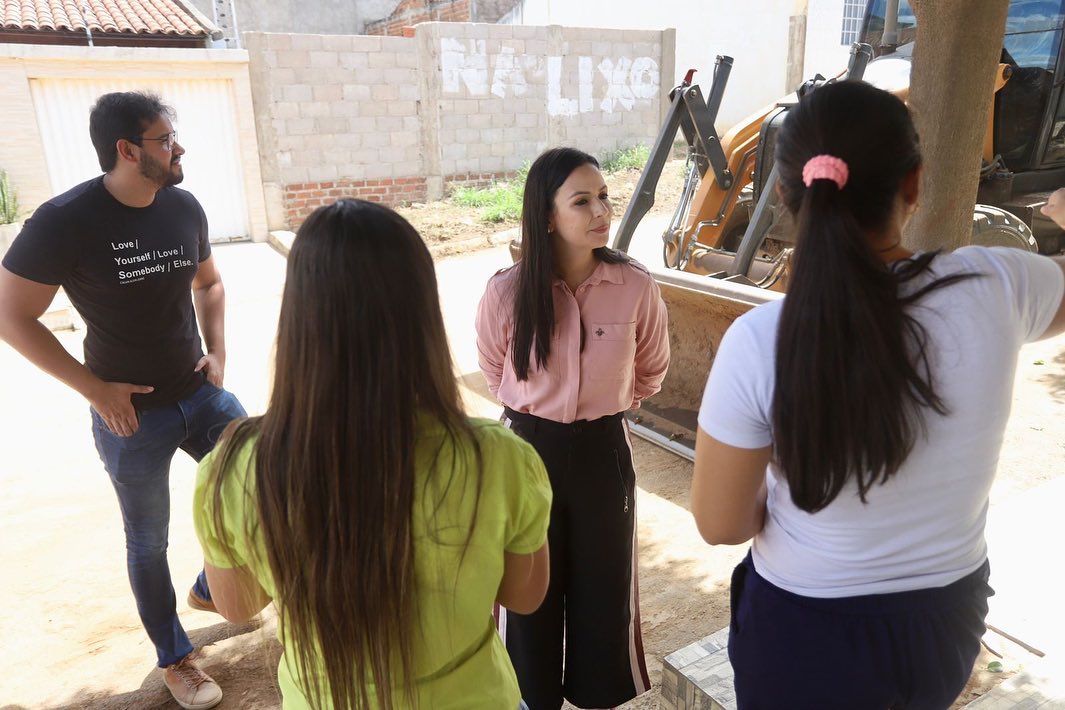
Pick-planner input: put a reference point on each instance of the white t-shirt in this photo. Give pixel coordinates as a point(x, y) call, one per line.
point(925, 526)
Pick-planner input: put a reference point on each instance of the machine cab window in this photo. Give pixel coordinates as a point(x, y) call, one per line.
point(1032, 48)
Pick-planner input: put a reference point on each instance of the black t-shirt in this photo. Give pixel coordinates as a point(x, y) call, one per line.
point(129, 272)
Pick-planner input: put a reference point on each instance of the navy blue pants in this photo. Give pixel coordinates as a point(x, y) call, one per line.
point(912, 650)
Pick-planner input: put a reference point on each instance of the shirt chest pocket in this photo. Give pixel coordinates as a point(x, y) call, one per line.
point(610, 350)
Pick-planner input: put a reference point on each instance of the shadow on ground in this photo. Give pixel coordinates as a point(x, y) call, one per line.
point(242, 658)
point(1055, 381)
point(683, 597)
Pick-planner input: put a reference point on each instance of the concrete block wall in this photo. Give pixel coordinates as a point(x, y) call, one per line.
point(404, 119)
point(474, 180)
point(508, 91)
point(337, 114)
point(489, 99)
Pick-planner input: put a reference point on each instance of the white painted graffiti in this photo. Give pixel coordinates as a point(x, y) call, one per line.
point(467, 68)
point(509, 73)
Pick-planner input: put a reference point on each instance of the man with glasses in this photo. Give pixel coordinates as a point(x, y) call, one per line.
point(131, 251)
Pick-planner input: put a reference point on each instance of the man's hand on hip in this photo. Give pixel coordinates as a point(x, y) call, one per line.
point(213, 365)
point(112, 403)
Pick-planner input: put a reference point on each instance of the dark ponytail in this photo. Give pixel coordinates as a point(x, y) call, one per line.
point(853, 379)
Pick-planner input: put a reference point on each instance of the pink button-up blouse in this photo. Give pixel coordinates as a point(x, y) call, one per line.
point(626, 345)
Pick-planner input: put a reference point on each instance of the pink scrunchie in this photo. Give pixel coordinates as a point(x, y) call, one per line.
point(825, 167)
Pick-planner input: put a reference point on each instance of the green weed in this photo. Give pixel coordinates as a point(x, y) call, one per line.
point(8, 200)
point(499, 203)
point(633, 158)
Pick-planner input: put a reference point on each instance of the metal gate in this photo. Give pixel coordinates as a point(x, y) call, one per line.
point(205, 122)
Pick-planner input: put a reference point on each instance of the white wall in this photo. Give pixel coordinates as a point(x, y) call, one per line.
point(825, 54)
point(754, 33)
point(23, 153)
point(206, 122)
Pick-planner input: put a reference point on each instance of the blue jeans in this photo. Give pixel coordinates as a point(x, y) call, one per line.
point(139, 467)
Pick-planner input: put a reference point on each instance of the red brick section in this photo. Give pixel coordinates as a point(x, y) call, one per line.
point(410, 12)
point(474, 180)
point(104, 16)
point(303, 198)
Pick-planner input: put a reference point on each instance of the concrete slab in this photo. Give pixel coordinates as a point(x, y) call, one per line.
point(699, 676)
point(1041, 684)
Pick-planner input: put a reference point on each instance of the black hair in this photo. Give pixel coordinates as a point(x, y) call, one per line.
point(534, 307)
point(122, 114)
point(853, 378)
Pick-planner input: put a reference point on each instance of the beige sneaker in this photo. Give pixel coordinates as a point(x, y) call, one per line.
point(192, 688)
point(199, 604)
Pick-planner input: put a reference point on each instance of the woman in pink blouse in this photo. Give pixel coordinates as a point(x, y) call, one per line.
point(569, 338)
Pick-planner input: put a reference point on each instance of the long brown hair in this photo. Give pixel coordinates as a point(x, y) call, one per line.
point(361, 353)
point(853, 377)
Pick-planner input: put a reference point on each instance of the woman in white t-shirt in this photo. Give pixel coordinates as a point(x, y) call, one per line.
point(853, 428)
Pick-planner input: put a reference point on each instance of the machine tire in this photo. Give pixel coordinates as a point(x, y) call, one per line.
point(994, 227)
point(734, 229)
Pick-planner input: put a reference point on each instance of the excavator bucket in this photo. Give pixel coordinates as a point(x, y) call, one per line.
point(700, 311)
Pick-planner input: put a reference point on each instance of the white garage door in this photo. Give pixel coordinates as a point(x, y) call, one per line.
point(206, 126)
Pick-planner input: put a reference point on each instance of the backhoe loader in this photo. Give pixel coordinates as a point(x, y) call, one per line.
point(726, 249)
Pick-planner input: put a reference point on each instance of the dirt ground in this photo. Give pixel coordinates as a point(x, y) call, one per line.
point(452, 229)
point(70, 637)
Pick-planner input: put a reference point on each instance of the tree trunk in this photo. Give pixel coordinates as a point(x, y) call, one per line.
point(958, 47)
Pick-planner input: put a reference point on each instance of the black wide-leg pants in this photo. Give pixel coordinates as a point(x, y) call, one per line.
point(583, 644)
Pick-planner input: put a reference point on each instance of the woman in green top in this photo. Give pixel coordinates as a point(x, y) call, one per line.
point(381, 520)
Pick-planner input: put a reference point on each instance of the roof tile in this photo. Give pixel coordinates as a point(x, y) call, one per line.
point(105, 16)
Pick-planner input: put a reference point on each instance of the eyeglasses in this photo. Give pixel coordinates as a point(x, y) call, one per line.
point(167, 141)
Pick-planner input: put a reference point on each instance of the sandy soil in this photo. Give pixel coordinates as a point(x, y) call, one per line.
point(79, 643)
point(69, 634)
